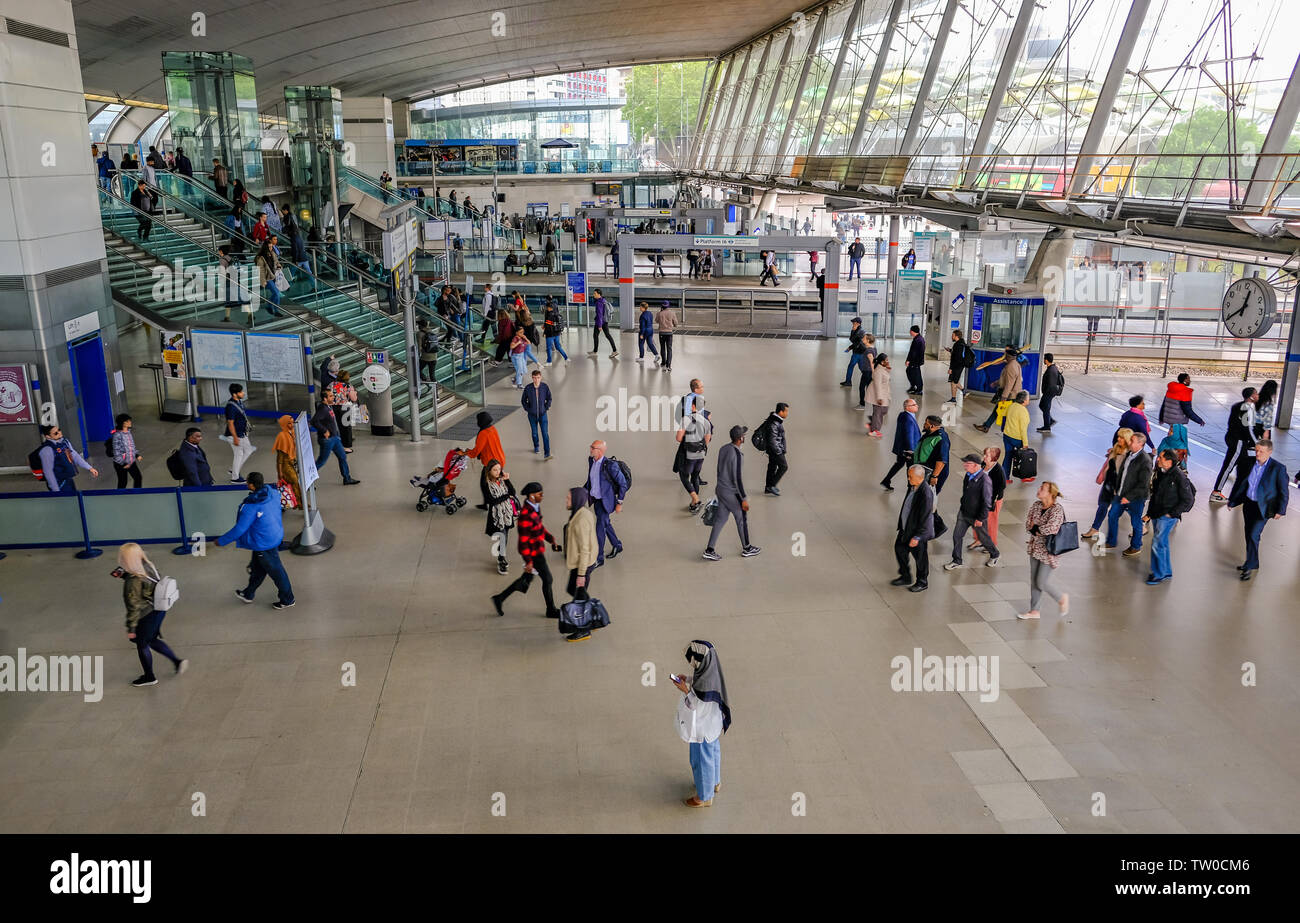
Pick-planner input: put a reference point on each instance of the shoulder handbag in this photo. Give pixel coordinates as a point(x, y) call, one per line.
point(1065, 539)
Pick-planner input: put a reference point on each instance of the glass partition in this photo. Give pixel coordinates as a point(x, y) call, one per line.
point(130, 516)
point(212, 98)
point(39, 519)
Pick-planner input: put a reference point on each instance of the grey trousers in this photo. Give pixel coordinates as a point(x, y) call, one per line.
point(981, 533)
point(729, 505)
point(1040, 582)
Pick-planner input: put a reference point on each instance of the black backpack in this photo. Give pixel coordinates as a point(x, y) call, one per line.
point(108, 445)
point(175, 466)
point(622, 466)
point(1190, 486)
point(759, 439)
point(968, 355)
point(34, 462)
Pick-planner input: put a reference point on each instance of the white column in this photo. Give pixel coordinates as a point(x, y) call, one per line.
point(368, 134)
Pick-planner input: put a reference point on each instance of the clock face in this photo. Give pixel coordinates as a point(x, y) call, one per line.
point(1248, 307)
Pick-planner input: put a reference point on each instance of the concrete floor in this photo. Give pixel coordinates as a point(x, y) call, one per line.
point(1136, 695)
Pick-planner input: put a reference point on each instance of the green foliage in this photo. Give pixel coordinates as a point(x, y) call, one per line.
point(666, 106)
point(1204, 132)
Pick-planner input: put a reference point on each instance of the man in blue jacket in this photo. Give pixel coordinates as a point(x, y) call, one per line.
point(60, 461)
point(259, 528)
point(600, 323)
point(907, 433)
point(1262, 492)
point(606, 487)
point(645, 333)
point(536, 401)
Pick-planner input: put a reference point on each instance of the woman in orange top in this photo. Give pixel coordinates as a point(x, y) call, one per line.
point(487, 446)
point(286, 455)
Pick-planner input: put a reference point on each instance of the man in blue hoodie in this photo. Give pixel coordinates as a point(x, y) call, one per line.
point(600, 322)
point(260, 530)
point(645, 334)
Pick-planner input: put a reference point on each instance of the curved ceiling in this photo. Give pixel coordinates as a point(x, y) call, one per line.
point(402, 49)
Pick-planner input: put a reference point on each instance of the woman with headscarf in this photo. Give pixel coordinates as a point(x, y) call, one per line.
point(286, 456)
point(143, 621)
point(580, 548)
point(502, 501)
point(703, 716)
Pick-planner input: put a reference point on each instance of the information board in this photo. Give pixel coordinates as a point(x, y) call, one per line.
point(275, 357)
point(171, 344)
point(307, 473)
point(15, 395)
point(219, 354)
point(909, 291)
point(575, 287)
point(872, 296)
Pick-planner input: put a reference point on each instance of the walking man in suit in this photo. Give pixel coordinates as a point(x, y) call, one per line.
point(1263, 494)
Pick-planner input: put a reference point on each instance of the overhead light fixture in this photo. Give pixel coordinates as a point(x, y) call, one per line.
point(1094, 210)
point(877, 189)
point(1259, 225)
point(1292, 228)
point(826, 184)
point(1058, 206)
point(957, 196)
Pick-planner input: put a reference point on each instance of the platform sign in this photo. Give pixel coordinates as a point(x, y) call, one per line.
point(375, 357)
point(15, 395)
point(723, 240)
point(872, 296)
point(575, 287)
point(307, 473)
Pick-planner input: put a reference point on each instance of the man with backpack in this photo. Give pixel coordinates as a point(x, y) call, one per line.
point(960, 359)
point(607, 485)
point(1172, 495)
point(57, 462)
point(1053, 385)
point(189, 463)
point(770, 438)
point(259, 528)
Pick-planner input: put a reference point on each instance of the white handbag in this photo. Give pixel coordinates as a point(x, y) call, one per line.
point(281, 283)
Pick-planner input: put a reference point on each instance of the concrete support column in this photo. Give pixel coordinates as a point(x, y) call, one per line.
point(891, 267)
point(52, 259)
point(368, 134)
point(1047, 274)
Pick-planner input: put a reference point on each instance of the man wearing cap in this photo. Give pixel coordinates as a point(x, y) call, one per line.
point(976, 502)
point(533, 538)
point(857, 352)
point(731, 497)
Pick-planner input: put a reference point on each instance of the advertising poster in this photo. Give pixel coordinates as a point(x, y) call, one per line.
point(15, 395)
point(172, 345)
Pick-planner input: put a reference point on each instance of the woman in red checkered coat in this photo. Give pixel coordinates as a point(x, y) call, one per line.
point(533, 538)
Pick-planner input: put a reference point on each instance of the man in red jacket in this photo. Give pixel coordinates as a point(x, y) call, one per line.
point(533, 539)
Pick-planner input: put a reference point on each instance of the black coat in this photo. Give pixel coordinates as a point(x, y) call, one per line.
point(1136, 484)
point(1171, 493)
point(976, 496)
point(775, 434)
point(920, 513)
point(916, 352)
point(197, 471)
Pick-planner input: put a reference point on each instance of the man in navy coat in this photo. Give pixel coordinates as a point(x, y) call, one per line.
point(1262, 492)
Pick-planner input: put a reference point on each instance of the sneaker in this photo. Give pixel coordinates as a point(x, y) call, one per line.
point(981, 427)
point(350, 481)
point(242, 597)
point(951, 565)
point(235, 480)
point(953, 400)
point(918, 588)
point(593, 353)
point(772, 490)
point(579, 636)
point(536, 451)
point(711, 555)
point(613, 355)
point(846, 384)
point(279, 605)
point(640, 358)
point(1218, 497)
point(503, 568)
point(1026, 615)
point(548, 458)
point(145, 681)
point(992, 562)
point(901, 581)
point(750, 551)
point(703, 483)
point(888, 487)
point(182, 667)
point(496, 604)
point(1132, 552)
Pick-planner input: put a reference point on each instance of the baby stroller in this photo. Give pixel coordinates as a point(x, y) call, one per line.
point(438, 488)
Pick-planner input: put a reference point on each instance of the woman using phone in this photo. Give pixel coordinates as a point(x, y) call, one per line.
point(143, 622)
point(703, 716)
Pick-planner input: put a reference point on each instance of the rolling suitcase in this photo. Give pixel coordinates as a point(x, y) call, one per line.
point(1024, 463)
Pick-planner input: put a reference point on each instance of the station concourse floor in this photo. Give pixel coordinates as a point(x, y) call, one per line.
point(1137, 694)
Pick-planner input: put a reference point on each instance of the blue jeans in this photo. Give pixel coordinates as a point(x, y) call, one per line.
point(529, 357)
point(272, 298)
point(644, 341)
point(706, 767)
point(267, 564)
point(334, 444)
point(1008, 444)
point(1160, 564)
point(533, 424)
point(856, 360)
point(553, 343)
point(1134, 510)
point(855, 263)
point(521, 367)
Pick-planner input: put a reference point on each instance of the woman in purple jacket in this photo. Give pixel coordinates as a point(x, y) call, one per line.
point(600, 322)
